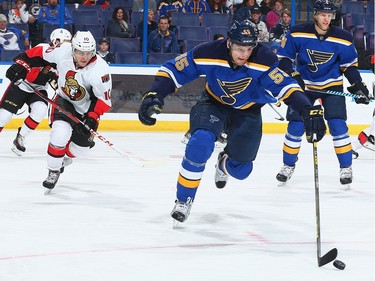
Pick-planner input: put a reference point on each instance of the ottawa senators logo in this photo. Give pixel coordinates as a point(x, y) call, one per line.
point(72, 89)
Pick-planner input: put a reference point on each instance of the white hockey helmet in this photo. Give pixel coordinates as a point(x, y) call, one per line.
point(84, 41)
point(60, 34)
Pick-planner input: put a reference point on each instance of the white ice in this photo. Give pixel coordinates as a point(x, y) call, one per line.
point(108, 219)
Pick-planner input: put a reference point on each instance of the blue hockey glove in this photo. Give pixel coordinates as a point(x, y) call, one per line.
point(360, 89)
point(314, 123)
point(151, 104)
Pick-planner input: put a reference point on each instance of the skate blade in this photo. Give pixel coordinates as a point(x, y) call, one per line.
point(176, 224)
point(16, 151)
point(345, 187)
point(47, 191)
point(281, 183)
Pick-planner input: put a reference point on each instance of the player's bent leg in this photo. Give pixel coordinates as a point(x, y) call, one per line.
point(198, 150)
point(343, 148)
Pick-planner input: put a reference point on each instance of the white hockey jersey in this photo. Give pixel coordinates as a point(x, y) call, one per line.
point(79, 85)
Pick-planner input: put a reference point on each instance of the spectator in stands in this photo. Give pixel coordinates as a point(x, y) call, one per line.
point(151, 24)
point(50, 13)
point(118, 26)
point(102, 3)
point(199, 7)
point(265, 7)
point(258, 25)
point(218, 7)
point(244, 13)
point(168, 7)
point(278, 32)
point(162, 40)
point(12, 38)
point(138, 5)
point(274, 15)
point(234, 5)
point(20, 14)
point(219, 36)
point(104, 52)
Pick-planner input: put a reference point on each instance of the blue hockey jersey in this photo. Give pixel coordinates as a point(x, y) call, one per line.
point(321, 60)
point(259, 81)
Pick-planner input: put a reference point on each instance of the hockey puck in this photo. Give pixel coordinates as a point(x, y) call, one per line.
point(339, 264)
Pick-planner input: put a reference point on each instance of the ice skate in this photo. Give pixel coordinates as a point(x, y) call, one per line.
point(181, 210)
point(66, 162)
point(19, 144)
point(221, 178)
point(285, 174)
point(346, 177)
point(51, 179)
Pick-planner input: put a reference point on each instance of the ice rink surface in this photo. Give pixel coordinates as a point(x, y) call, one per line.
point(108, 219)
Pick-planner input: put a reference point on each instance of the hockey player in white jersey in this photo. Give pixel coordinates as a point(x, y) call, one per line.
point(41, 74)
point(84, 87)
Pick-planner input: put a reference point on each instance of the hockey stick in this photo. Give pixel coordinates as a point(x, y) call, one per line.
point(144, 164)
point(337, 93)
point(332, 254)
point(281, 118)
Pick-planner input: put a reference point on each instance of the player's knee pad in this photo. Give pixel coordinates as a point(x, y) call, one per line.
point(60, 133)
point(5, 117)
point(239, 170)
point(200, 146)
point(296, 128)
point(38, 111)
point(74, 150)
point(337, 127)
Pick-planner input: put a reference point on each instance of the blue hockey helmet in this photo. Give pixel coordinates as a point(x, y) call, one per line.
point(242, 33)
point(326, 6)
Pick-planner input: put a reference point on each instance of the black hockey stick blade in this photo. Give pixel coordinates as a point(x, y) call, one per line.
point(327, 258)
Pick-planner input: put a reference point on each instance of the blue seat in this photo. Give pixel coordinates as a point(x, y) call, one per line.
point(106, 16)
point(86, 17)
point(212, 30)
point(21, 26)
point(9, 55)
point(191, 33)
point(190, 44)
point(369, 25)
point(160, 58)
point(135, 18)
point(128, 57)
point(352, 7)
point(358, 19)
point(96, 30)
point(215, 20)
point(49, 27)
point(185, 19)
point(125, 45)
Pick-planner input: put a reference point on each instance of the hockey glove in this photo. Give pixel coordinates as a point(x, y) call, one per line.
point(89, 123)
point(46, 76)
point(360, 89)
point(297, 76)
point(151, 104)
point(18, 70)
point(314, 123)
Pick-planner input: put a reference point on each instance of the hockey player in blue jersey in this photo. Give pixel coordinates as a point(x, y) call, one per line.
point(241, 76)
point(322, 53)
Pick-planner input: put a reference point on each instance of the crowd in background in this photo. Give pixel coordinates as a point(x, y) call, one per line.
point(270, 18)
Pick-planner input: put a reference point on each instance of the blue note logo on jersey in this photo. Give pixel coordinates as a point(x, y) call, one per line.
point(317, 57)
point(231, 89)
